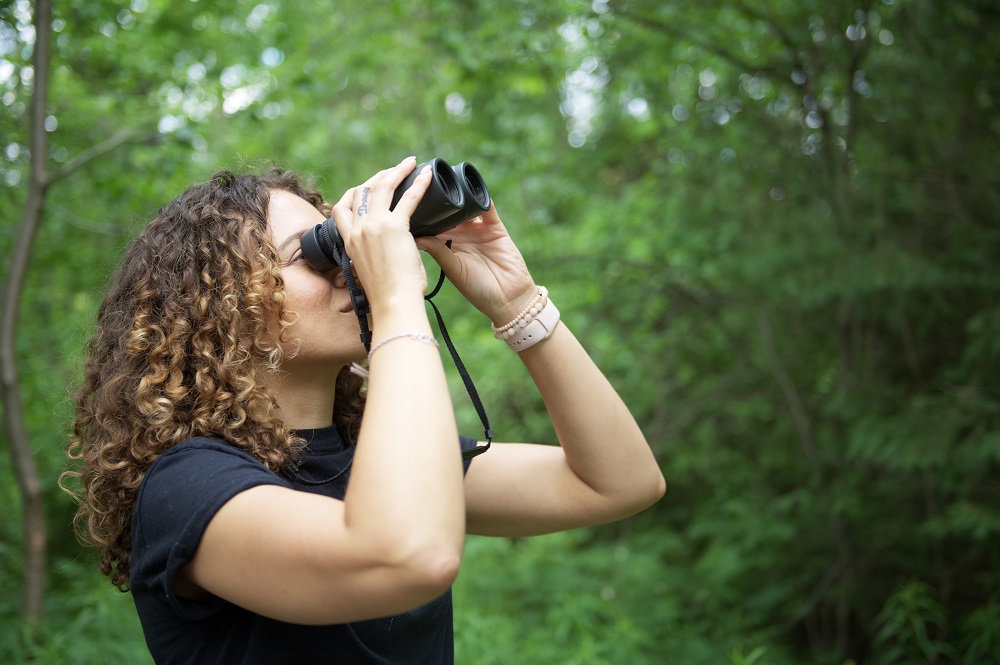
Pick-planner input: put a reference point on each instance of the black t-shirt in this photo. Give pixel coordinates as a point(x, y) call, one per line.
point(180, 494)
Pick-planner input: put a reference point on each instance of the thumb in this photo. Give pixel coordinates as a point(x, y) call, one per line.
point(442, 254)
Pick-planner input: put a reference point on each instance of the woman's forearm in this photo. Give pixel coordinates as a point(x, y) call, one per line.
point(406, 485)
point(601, 440)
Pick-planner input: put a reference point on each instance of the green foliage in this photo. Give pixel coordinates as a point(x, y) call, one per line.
point(980, 637)
point(908, 623)
point(89, 622)
point(773, 225)
point(567, 598)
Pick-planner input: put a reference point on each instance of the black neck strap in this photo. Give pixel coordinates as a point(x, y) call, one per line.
point(358, 298)
point(470, 387)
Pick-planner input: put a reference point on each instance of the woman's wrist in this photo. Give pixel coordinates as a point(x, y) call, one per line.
point(508, 311)
point(399, 303)
point(535, 323)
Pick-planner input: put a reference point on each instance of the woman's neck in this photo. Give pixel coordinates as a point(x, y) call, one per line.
point(305, 396)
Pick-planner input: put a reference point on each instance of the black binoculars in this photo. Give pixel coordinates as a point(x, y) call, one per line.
point(455, 195)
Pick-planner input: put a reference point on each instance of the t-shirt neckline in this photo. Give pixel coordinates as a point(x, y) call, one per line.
point(322, 439)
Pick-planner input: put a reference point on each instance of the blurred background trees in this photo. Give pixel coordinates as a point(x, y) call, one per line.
point(773, 223)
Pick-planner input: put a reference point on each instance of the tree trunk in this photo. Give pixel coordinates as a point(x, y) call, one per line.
point(28, 482)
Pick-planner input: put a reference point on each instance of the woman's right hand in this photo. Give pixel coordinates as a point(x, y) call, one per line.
point(378, 240)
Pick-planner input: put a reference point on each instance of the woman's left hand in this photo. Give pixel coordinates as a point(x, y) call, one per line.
point(485, 266)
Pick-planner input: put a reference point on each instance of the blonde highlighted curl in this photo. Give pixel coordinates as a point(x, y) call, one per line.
point(181, 339)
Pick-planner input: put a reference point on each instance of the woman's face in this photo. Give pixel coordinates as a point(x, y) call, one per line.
point(326, 332)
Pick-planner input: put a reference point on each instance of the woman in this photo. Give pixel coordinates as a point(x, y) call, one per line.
point(218, 425)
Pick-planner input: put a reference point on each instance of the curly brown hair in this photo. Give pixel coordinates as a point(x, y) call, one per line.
point(182, 336)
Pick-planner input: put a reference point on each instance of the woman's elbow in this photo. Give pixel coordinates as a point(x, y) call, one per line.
point(660, 486)
point(645, 494)
point(439, 570)
point(430, 570)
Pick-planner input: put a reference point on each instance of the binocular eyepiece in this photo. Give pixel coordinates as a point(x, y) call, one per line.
point(455, 195)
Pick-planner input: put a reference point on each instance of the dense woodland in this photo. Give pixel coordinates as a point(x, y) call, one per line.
point(773, 222)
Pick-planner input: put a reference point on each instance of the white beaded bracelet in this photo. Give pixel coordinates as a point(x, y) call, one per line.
point(539, 327)
point(524, 318)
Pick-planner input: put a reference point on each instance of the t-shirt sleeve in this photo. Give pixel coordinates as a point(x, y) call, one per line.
point(179, 496)
point(467, 443)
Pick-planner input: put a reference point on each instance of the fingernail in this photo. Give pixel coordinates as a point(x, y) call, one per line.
point(409, 158)
point(425, 170)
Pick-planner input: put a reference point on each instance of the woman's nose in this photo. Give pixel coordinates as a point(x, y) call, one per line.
point(337, 276)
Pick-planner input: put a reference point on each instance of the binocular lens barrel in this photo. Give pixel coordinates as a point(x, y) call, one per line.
point(454, 195)
point(443, 198)
point(474, 185)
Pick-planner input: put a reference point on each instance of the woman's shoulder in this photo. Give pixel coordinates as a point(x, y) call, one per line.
point(191, 481)
point(205, 463)
point(204, 443)
point(180, 493)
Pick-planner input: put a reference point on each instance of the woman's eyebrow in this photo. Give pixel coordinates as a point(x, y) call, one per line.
point(288, 241)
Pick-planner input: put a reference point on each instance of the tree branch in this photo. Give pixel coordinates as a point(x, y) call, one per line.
point(783, 36)
point(711, 47)
point(93, 152)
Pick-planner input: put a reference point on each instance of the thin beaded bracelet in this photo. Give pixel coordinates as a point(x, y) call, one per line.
point(418, 337)
point(538, 329)
point(524, 318)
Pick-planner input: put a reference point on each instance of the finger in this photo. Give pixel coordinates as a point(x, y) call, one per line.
point(384, 188)
point(362, 200)
point(347, 197)
point(377, 195)
point(411, 197)
point(388, 177)
point(441, 254)
point(491, 216)
point(362, 203)
point(484, 228)
point(343, 213)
